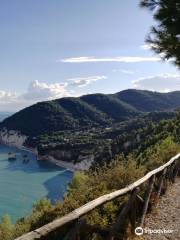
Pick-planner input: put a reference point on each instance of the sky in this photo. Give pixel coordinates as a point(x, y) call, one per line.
point(58, 48)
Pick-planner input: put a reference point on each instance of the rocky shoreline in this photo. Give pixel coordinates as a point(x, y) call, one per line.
point(81, 166)
point(16, 139)
point(67, 165)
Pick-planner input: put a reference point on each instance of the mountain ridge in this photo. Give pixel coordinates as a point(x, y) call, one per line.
point(89, 111)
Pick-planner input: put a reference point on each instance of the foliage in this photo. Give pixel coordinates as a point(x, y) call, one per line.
point(87, 112)
point(6, 228)
point(86, 186)
point(150, 144)
point(160, 153)
point(100, 143)
point(165, 37)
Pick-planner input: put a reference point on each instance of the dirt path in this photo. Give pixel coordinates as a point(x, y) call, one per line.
point(166, 217)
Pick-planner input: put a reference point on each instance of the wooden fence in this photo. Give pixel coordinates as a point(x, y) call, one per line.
point(154, 180)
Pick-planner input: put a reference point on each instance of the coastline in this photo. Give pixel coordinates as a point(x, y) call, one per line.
point(18, 141)
point(84, 165)
point(28, 149)
point(23, 148)
point(68, 166)
point(23, 183)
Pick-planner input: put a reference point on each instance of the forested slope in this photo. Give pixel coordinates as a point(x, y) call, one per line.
point(89, 111)
point(157, 142)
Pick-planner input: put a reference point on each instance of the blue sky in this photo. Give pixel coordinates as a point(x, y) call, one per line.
point(56, 48)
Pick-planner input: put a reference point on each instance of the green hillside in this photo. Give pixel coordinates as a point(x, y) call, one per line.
point(148, 101)
point(95, 110)
point(159, 142)
point(114, 108)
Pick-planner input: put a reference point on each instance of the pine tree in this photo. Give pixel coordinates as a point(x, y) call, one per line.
point(164, 38)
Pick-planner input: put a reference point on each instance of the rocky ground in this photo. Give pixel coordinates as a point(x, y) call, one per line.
point(166, 216)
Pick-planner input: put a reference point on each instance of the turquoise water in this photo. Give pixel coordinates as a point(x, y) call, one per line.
point(21, 184)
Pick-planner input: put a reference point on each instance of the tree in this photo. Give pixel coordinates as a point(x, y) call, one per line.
point(6, 228)
point(164, 38)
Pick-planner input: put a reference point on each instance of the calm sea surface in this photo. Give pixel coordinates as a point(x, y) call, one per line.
point(21, 184)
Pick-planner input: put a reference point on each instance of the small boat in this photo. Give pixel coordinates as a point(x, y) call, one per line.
point(25, 158)
point(11, 156)
point(25, 155)
point(25, 161)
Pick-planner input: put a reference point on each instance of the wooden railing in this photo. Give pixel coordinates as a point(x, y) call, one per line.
point(156, 180)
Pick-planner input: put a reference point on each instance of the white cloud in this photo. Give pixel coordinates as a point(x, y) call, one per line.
point(10, 101)
point(162, 82)
point(37, 91)
point(43, 91)
point(123, 71)
point(81, 82)
point(125, 59)
point(7, 96)
point(147, 46)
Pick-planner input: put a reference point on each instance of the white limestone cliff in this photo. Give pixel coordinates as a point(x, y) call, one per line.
point(12, 138)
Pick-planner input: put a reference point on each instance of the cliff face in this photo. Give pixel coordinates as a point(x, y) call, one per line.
point(65, 159)
point(16, 139)
point(12, 137)
point(85, 163)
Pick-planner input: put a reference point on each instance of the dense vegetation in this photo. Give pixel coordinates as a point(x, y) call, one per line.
point(157, 143)
point(165, 36)
point(92, 127)
point(96, 110)
point(98, 143)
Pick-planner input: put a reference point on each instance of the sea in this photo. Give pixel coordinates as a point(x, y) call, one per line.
point(23, 182)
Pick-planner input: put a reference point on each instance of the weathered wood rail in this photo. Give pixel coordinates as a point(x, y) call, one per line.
point(155, 181)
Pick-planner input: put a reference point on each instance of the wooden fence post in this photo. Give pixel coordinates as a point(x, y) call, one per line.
point(146, 200)
point(176, 170)
point(172, 167)
point(133, 215)
point(120, 220)
point(74, 231)
point(161, 183)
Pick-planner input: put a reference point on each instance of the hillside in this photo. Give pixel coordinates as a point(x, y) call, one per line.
point(161, 144)
point(148, 101)
point(95, 110)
